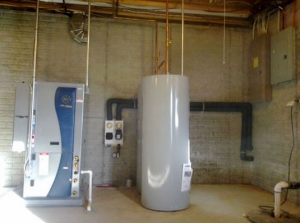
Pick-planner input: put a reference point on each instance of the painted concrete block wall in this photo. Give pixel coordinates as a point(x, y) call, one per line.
point(15, 66)
point(121, 54)
point(272, 131)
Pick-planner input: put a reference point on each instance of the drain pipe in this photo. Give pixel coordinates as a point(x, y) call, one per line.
point(277, 194)
point(89, 207)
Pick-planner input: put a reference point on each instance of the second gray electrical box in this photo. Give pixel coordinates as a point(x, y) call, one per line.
point(283, 56)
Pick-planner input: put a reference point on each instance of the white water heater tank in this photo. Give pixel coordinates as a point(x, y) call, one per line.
point(164, 142)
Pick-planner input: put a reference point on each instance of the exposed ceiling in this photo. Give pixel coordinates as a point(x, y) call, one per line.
point(238, 13)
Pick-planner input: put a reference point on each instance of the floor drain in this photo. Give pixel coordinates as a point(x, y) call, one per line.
point(265, 216)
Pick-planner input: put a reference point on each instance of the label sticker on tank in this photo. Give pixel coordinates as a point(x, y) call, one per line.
point(187, 173)
point(43, 164)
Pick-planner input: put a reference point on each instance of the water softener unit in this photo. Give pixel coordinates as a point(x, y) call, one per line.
point(53, 155)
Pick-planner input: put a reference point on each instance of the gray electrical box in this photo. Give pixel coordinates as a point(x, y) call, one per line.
point(283, 56)
point(21, 117)
point(260, 88)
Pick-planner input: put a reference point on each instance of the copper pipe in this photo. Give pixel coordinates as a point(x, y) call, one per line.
point(160, 66)
point(156, 48)
point(156, 36)
point(113, 8)
point(167, 36)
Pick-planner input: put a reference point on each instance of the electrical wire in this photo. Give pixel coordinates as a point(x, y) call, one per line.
point(270, 208)
point(291, 153)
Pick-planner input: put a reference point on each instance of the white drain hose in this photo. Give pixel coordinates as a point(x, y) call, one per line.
point(89, 207)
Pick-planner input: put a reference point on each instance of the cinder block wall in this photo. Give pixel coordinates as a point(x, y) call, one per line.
point(272, 131)
point(121, 53)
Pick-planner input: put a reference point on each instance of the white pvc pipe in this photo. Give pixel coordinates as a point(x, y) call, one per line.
point(182, 35)
point(88, 50)
point(277, 197)
point(31, 115)
point(89, 207)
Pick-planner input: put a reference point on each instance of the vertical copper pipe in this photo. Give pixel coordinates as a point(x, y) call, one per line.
point(113, 8)
point(294, 13)
point(156, 48)
point(167, 36)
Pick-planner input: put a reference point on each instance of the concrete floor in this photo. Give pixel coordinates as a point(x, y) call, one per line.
point(209, 204)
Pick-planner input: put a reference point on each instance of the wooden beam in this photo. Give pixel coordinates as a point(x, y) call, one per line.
point(135, 14)
point(190, 5)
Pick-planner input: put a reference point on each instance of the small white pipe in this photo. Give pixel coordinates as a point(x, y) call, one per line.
point(88, 49)
point(31, 115)
point(89, 207)
point(277, 197)
point(182, 35)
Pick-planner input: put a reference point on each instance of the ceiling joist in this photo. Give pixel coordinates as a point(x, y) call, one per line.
point(238, 13)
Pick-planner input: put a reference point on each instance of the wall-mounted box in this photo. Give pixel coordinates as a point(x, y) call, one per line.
point(283, 56)
point(260, 88)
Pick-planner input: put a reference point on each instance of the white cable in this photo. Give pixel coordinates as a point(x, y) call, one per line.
point(182, 36)
point(224, 33)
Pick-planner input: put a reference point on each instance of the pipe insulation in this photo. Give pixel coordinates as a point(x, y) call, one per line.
point(244, 108)
point(121, 103)
point(89, 206)
point(125, 104)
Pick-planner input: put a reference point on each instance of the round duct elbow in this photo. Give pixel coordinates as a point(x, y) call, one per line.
point(78, 27)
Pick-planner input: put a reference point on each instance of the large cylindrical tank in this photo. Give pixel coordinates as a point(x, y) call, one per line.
point(164, 141)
